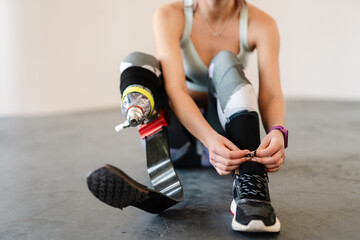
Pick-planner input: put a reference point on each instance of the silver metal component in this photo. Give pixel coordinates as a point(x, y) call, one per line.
point(135, 116)
point(136, 99)
point(154, 115)
point(136, 107)
point(160, 168)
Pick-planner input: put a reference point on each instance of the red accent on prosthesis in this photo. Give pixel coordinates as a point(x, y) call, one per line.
point(154, 126)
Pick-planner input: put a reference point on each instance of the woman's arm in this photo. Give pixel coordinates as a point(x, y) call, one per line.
point(265, 33)
point(168, 29)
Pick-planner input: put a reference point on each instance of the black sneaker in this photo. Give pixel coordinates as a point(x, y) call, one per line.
point(251, 205)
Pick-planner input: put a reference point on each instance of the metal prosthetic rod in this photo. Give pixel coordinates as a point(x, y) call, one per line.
point(167, 191)
point(140, 81)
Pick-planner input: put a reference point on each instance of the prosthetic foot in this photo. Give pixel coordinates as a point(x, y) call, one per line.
point(115, 188)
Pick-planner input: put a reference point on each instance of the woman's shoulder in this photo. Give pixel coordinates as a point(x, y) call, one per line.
point(170, 16)
point(260, 17)
point(171, 11)
point(260, 25)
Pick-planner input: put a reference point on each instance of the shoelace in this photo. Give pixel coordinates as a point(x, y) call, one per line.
point(252, 186)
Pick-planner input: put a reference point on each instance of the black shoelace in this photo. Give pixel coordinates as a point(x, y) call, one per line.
point(252, 186)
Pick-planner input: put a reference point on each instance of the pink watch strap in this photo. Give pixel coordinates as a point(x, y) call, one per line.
point(284, 131)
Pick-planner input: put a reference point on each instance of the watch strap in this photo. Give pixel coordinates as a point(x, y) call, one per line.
point(284, 131)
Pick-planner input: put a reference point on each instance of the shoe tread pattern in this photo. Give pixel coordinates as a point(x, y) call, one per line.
point(113, 190)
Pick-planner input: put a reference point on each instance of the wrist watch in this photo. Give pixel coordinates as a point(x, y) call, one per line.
point(284, 131)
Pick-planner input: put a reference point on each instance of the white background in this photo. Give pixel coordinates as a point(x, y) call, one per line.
point(63, 55)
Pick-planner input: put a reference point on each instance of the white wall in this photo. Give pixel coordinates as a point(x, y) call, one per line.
point(320, 47)
point(60, 56)
point(64, 55)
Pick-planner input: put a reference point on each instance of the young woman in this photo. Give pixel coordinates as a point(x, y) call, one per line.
point(202, 47)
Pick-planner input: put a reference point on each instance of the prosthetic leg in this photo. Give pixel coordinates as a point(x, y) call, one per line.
point(140, 81)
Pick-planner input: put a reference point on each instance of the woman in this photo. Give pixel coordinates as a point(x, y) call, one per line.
point(210, 39)
point(202, 47)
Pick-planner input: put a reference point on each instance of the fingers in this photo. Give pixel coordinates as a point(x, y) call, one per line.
point(221, 169)
point(269, 151)
point(226, 154)
point(269, 160)
point(273, 163)
point(226, 164)
point(226, 161)
point(272, 170)
point(264, 144)
point(230, 145)
point(276, 165)
point(271, 148)
point(223, 173)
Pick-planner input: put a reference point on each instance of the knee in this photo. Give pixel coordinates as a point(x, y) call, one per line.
point(234, 91)
point(223, 60)
point(224, 55)
point(229, 80)
point(226, 70)
point(143, 60)
point(140, 69)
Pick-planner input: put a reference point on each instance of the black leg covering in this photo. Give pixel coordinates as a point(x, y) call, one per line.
point(243, 131)
point(179, 138)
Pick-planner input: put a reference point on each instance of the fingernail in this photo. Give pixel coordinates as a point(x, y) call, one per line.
point(254, 159)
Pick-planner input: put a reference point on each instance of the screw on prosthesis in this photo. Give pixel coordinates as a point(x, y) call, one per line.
point(135, 118)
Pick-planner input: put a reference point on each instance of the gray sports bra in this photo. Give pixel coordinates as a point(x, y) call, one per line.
point(195, 70)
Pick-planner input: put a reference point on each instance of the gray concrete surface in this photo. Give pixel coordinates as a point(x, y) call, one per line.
point(44, 162)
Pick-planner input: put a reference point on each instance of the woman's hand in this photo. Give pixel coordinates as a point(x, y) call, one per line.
point(271, 151)
point(225, 156)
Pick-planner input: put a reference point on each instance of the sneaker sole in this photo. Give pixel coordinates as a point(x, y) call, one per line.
point(115, 188)
point(254, 225)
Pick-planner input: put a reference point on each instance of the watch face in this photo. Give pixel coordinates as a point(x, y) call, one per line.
point(286, 136)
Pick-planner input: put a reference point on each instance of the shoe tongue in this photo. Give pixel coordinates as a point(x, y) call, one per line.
point(251, 168)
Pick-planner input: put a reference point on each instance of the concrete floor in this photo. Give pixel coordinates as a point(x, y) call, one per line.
point(44, 162)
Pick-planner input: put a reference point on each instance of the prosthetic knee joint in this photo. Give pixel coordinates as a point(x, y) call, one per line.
point(139, 80)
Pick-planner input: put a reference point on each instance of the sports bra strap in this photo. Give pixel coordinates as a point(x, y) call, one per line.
point(188, 10)
point(244, 29)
